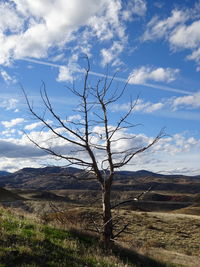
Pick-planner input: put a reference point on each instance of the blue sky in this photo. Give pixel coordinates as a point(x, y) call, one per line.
point(154, 44)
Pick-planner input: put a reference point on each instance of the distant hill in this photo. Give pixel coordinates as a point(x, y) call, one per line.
point(6, 195)
point(44, 195)
point(2, 173)
point(51, 178)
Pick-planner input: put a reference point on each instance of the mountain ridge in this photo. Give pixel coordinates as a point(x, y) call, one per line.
point(55, 177)
point(167, 192)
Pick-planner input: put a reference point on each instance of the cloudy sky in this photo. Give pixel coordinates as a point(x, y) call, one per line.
point(154, 44)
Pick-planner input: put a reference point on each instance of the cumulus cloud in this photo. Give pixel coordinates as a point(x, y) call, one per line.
point(47, 24)
point(111, 54)
point(105, 25)
point(144, 74)
point(181, 29)
point(184, 151)
point(191, 101)
point(178, 145)
point(67, 73)
point(186, 36)
point(13, 122)
point(9, 18)
point(35, 27)
point(161, 28)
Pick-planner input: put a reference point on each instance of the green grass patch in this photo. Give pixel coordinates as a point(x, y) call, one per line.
point(29, 244)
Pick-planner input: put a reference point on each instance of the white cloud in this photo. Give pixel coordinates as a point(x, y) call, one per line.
point(138, 7)
point(161, 28)
point(9, 104)
point(12, 165)
point(174, 107)
point(37, 124)
point(106, 23)
point(141, 105)
point(154, 107)
point(37, 26)
point(183, 150)
point(32, 126)
point(13, 122)
point(6, 77)
point(181, 29)
point(67, 73)
point(40, 26)
point(170, 153)
point(195, 56)
point(186, 36)
point(147, 107)
point(10, 19)
point(8, 133)
point(111, 54)
point(144, 74)
point(74, 117)
point(191, 101)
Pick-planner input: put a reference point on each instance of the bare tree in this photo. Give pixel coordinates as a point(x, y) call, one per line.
point(101, 158)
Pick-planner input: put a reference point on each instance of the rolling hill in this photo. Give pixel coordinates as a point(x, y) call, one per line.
point(57, 178)
point(6, 195)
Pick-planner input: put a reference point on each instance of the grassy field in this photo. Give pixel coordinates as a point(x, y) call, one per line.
point(165, 236)
point(175, 236)
point(24, 241)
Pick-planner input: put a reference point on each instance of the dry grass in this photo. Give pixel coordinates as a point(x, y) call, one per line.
point(168, 237)
point(26, 242)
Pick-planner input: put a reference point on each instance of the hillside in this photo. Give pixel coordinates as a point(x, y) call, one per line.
point(52, 178)
point(8, 196)
point(29, 241)
point(4, 173)
point(25, 241)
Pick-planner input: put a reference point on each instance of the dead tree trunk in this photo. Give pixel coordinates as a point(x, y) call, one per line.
point(107, 234)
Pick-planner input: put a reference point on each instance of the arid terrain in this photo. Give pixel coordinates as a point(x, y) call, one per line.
point(162, 223)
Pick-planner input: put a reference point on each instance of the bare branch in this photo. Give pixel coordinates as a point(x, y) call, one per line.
point(129, 157)
point(132, 199)
point(121, 231)
point(49, 126)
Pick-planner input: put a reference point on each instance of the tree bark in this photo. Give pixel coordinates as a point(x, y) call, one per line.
point(107, 234)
